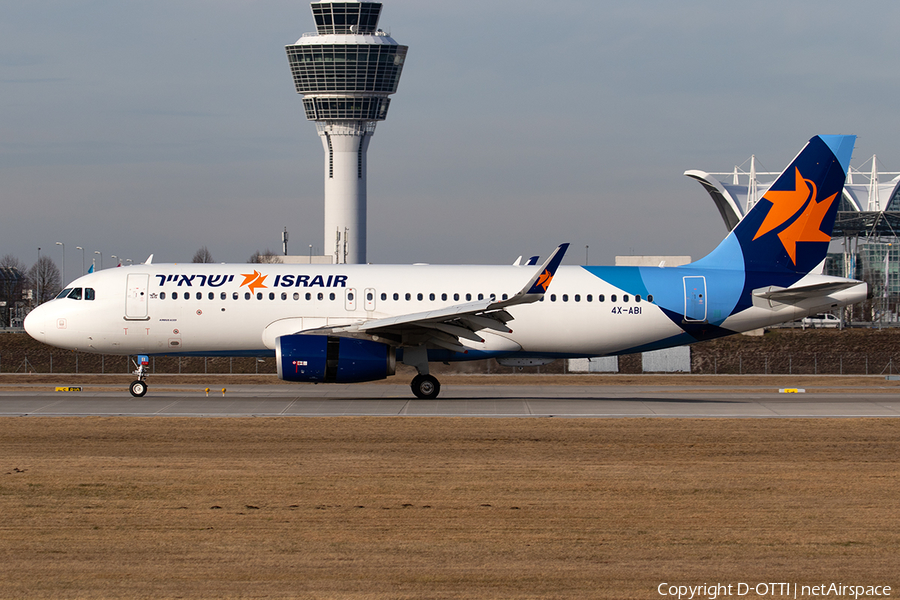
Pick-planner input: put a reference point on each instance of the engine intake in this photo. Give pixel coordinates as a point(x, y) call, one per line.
point(326, 359)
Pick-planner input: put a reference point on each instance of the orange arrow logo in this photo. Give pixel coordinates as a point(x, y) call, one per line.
point(802, 203)
point(254, 281)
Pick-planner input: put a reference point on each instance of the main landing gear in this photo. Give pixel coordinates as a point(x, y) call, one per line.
point(139, 387)
point(426, 387)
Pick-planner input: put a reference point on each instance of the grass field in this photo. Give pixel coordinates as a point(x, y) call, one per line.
point(378, 508)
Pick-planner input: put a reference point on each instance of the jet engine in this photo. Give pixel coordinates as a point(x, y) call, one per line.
point(328, 359)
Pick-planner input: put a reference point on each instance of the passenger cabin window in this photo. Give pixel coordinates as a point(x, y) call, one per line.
point(162, 295)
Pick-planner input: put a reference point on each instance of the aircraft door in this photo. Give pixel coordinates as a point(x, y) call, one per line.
point(370, 299)
point(695, 301)
point(136, 297)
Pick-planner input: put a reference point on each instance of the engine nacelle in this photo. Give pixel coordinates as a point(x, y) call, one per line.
point(326, 359)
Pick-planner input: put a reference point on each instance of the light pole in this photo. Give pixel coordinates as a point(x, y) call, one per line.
point(101, 258)
point(115, 259)
point(82, 258)
point(38, 275)
point(63, 261)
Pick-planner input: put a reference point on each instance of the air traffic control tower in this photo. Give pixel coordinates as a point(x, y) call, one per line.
point(346, 71)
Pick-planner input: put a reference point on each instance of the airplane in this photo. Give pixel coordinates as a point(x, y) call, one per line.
point(354, 323)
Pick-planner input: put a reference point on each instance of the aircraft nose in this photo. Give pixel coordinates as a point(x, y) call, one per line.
point(35, 323)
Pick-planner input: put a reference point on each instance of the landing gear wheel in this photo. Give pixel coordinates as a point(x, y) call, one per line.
point(425, 387)
point(138, 388)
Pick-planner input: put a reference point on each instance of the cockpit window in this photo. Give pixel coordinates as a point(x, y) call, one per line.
point(76, 294)
point(64, 293)
point(88, 293)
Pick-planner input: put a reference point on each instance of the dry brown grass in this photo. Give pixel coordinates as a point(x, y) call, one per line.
point(372, 508)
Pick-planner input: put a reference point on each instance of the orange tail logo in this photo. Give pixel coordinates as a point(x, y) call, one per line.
point(802, 203)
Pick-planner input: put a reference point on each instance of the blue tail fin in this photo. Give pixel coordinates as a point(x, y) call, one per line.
point(789, 229)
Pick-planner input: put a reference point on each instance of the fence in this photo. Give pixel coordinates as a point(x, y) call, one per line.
point(796, 363)
point(83, 363)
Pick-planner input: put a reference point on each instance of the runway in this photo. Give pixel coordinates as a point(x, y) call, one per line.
point(455, 401)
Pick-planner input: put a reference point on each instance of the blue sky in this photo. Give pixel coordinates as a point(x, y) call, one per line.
point(135, 128)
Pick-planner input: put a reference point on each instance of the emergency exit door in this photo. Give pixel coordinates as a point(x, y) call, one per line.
point(136, 297)
point(695, 300)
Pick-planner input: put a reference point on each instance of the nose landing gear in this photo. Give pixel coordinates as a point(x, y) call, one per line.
point(139, 387)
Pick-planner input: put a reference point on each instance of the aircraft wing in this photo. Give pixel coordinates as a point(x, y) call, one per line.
point(444, 327)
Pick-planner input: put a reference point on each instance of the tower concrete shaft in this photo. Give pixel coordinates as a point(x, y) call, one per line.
point(346, 71)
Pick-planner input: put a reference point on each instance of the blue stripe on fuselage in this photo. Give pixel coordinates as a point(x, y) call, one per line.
point(723, 287)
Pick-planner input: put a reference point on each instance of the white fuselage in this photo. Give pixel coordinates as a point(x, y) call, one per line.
point(241, 309)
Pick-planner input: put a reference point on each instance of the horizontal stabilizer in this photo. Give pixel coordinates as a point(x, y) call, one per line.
point(795, 295)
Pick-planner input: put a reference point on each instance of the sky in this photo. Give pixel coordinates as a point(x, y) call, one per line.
point(131, 128)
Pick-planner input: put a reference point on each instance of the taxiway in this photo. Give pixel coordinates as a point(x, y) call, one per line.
point(455, 401)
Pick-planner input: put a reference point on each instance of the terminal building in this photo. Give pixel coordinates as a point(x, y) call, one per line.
point(865, 240)
point(346, 72)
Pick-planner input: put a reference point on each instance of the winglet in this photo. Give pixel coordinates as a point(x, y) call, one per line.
point(541, 281)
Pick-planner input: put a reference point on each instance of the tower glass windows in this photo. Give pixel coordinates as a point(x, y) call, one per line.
point(346, 17)
point(346, 67)
point(349, 109)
